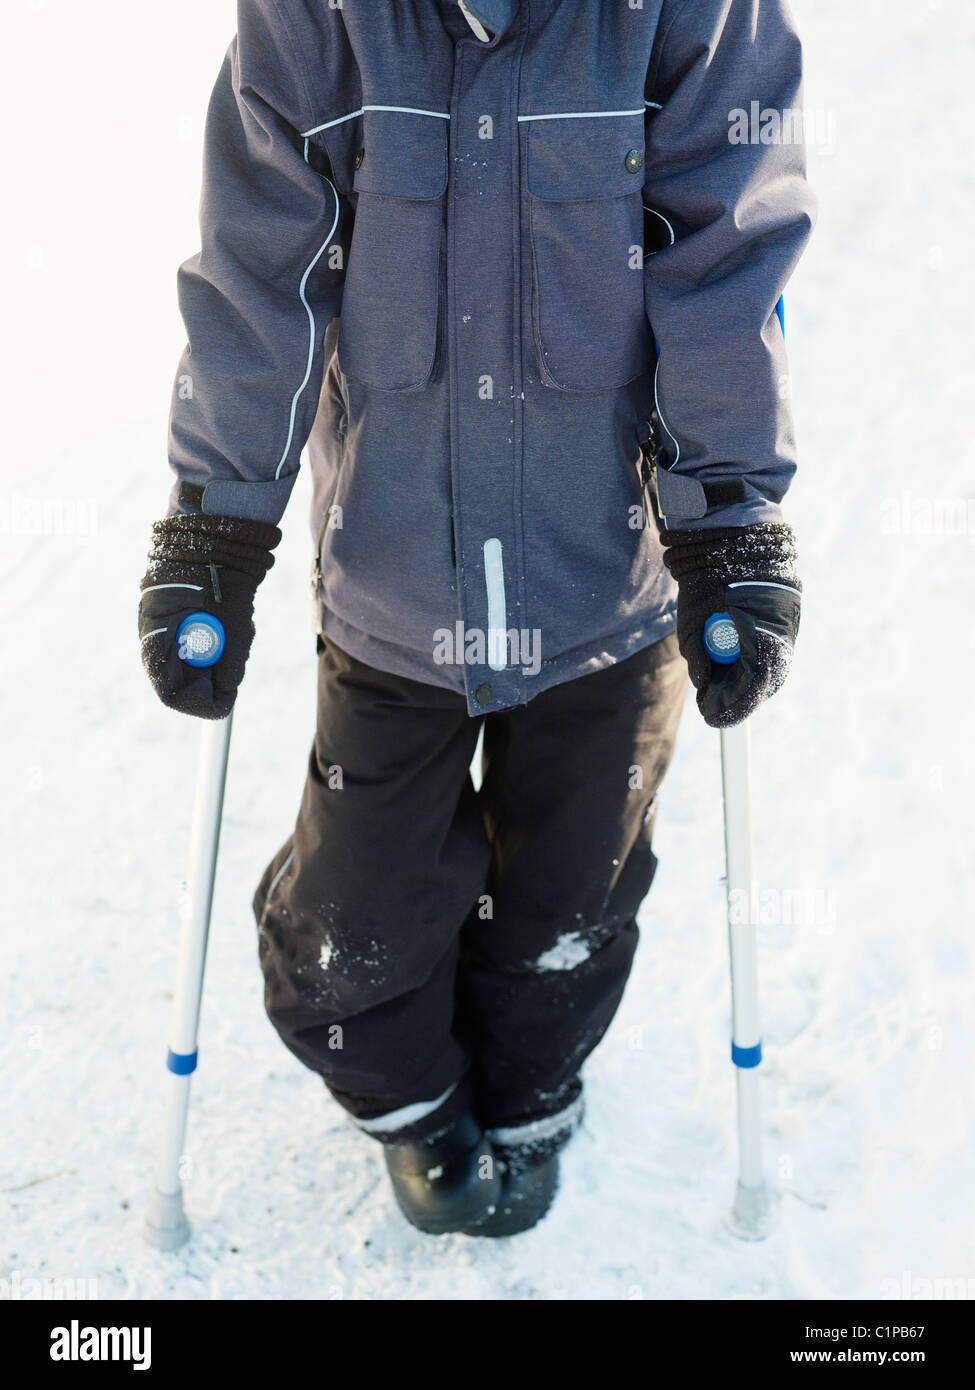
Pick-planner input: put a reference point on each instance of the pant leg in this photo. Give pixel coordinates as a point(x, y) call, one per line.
point(569, 794)
point(360, 912)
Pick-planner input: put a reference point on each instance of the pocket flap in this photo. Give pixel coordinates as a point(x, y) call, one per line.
point(586, 156)
point(403, 154)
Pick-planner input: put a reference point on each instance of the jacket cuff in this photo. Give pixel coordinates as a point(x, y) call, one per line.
point(259, 501)
point(683, 505)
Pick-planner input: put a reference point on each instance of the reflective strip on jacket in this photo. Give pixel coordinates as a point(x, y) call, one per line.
point(435, 257)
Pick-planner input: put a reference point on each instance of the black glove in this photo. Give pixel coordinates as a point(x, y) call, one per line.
point(210, 564)
point(748, 572)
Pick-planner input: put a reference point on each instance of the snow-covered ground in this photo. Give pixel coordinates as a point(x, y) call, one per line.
point(862, 770)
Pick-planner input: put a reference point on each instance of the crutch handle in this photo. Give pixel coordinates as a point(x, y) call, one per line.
point(200, 639)
point(721, 639)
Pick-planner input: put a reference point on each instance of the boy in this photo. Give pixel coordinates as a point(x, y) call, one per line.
point(511, 273)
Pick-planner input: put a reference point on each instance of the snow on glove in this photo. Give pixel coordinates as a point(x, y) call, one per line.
point(210, 564)
point(748, 572)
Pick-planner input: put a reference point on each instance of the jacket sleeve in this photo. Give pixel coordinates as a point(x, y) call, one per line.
point(725, 188)
point(257, 298)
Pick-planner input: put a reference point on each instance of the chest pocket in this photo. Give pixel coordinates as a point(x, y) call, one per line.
point(585, 181)
point(391, 302)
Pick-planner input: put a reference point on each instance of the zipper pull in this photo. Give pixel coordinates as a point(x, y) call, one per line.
point(649, 453)
point(650, 449)
point(316, 569)
point(316, 588)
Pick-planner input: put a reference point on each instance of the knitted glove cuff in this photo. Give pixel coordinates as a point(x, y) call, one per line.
point(735, 553)
point(190, 539)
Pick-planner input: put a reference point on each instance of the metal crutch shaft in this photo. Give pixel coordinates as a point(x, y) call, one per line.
point(750, 1215)
point(165, 1224)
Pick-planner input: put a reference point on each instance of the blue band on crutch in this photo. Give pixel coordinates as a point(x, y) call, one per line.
point(746, 1056)
point(780, 311)
point(181, 1063)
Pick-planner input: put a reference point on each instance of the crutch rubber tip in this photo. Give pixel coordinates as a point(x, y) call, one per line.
point(751, 1216)
point(166, 1226)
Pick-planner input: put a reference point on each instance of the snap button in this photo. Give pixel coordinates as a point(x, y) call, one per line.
point(634, 161)
point(361, 154)
point(483, 695)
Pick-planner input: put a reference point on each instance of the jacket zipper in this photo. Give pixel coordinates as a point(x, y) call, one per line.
point(649, 455)
point(439, 356)
point(441, 302)
point(317, 574)
point(316, 569)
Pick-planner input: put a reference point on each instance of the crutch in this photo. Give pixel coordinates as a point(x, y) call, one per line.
point(750, 1216)
point(200, 639)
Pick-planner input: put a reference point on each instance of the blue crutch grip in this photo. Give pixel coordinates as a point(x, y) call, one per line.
point(721, 639)
point(200, 639)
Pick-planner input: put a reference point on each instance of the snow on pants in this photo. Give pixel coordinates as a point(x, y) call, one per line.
point(427, 947)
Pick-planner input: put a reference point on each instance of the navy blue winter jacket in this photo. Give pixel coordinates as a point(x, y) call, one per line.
point(474, 262)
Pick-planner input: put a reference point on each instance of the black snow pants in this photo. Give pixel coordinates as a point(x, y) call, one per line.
point(427, 947)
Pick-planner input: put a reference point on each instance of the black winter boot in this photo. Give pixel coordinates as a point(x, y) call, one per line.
point(449, 1183)
point(526, 1195)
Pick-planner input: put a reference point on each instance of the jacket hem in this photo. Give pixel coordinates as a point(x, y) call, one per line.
point(578, 661)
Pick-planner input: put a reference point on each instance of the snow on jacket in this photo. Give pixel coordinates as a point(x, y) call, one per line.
point(435, 257)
